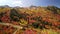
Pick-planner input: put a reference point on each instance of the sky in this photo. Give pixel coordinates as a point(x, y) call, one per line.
point(26, 3)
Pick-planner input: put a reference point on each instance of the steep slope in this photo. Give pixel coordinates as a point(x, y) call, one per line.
point(32, 19)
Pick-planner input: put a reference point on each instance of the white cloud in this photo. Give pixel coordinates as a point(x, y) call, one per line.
point(11, 2)
point(17, 3)
point(2, 2)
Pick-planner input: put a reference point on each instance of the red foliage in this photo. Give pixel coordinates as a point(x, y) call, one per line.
point(15, 23)
point(58, 16)
point(31, 21)
point(5, 19)
point(29, 32)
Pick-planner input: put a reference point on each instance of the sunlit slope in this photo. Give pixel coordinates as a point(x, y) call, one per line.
point(32, 19)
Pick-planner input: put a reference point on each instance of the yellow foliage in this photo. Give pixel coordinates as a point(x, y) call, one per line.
point(23, 22)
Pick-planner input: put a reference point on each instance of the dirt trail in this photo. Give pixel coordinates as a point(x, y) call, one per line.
point(8, 24)
point(16, 26)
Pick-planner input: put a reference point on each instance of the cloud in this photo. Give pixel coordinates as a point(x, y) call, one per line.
point(17, 3)
point(2, 2)
point(11, 2)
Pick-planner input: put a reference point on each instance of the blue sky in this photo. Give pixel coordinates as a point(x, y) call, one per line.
point(25, 3)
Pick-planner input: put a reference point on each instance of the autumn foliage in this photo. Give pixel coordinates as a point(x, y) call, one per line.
point(37, 18)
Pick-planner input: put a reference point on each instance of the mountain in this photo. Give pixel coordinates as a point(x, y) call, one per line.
point(35, 17)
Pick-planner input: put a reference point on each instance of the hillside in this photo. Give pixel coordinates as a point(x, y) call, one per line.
point(29, 20)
